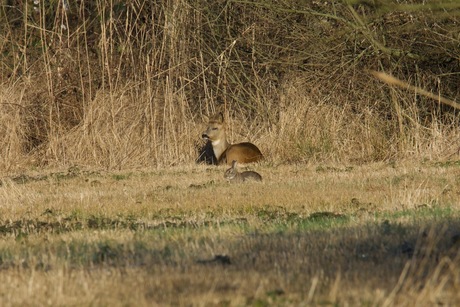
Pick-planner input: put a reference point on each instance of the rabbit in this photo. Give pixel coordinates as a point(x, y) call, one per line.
point(232, 175)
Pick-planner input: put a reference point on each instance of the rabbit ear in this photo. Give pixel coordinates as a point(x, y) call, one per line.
point(234, 164)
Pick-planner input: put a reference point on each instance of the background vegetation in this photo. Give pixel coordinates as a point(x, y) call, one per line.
point(129, 83)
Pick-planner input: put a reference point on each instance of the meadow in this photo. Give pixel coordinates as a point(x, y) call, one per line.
point(374, 235)
point(353, 103)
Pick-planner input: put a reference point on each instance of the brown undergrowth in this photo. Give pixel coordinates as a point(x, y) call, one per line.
point(115, 85)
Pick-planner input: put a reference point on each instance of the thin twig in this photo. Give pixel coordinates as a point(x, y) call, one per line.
point(394, 81)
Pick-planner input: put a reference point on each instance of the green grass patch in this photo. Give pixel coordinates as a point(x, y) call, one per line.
point(422, 212)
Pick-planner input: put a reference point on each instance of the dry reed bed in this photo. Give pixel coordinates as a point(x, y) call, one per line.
point(383, 234)
point(119, 86)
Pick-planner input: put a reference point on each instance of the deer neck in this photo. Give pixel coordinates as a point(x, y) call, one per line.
point(219, 146)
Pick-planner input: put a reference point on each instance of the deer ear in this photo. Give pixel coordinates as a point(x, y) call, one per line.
point(220, 117)
point(217, 118)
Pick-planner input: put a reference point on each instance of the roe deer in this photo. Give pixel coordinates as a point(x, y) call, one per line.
point(233, 175)
point(224, 151)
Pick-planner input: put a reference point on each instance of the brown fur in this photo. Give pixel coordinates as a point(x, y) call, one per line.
point(224, 151)
point(234, 176)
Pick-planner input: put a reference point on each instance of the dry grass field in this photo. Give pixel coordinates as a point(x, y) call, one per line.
point(375, 235)
point(353, 103)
